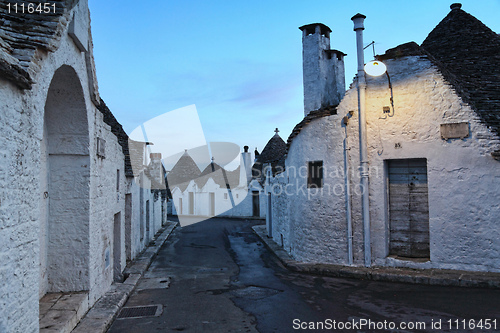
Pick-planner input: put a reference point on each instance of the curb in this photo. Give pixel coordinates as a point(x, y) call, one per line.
point(104, 311)
point(437, 277)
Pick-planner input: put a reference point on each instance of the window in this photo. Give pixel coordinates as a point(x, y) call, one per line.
point(225, 196)
point(315, 174)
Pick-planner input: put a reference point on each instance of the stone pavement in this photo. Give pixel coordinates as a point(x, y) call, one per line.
point(101, 315)
point(61, 312)
point(439, 277)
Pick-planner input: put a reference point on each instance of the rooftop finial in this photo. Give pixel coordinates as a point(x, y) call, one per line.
point(213, 159)
point(276, 130)
point(456, 5)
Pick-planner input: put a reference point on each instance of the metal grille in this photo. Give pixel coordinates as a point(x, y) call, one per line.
point(139, 311)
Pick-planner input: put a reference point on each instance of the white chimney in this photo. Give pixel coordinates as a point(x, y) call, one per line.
point(323, 68)
point(245, 167)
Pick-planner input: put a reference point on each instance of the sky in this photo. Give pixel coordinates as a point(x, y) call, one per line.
point(237, 63)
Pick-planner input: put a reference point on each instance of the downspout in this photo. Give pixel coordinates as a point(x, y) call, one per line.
point(267, 190)
point(358, 20)
point(347, 196)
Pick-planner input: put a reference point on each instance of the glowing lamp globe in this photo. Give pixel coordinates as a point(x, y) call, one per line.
point(375, 68)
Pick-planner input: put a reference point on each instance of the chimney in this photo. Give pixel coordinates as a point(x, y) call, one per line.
point(323, 68)
point(155, 156)
point(245, 167)
point(157, 171)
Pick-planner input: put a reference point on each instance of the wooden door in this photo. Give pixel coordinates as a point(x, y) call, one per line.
point(191, 203)
point(408, 208)
point(212, 204)
point(255, 204)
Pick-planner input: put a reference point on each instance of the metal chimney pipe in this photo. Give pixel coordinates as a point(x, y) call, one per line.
point(358, 20)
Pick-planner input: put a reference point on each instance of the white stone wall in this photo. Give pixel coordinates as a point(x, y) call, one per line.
point(23, 186)
point(25, 177)
point(136, 238)
point(106, 201)
point(242, 203)
point(19, 212)
point(463, 178)
point(223, 204)
point(280, 212)
point(316, 230)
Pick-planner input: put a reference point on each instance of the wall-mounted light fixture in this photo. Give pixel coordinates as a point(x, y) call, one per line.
point(375, 68)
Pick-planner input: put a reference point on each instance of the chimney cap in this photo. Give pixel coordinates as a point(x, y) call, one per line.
point(245, 148)
point(310, 28)
point(155, 156)
point(455, 5)
point(358, 15)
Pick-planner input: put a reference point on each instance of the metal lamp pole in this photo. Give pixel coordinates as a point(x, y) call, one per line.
point(358, 20)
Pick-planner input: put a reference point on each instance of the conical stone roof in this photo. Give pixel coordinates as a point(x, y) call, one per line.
point(183, 172)
point(469, 53)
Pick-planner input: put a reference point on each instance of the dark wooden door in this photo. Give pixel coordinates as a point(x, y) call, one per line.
point(408, 208)
point(255, 203)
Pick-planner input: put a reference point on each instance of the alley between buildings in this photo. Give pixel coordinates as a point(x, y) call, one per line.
point(216, 276)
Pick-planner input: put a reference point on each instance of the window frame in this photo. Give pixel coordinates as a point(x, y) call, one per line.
point(312, 180)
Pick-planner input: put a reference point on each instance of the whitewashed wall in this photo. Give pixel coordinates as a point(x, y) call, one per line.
point(463, 178)
point(24, 178)
point(316, 230)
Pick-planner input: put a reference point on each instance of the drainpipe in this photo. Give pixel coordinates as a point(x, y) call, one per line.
point(267, 190)
point(358, 20)
point(347, 196)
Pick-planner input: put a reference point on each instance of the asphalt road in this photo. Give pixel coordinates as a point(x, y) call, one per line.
point(216, 276)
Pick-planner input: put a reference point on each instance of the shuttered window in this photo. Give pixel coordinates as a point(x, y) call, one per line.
point(315, 174)
point(408, 208)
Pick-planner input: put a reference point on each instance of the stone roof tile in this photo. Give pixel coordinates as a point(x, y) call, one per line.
point(22, 34)
point(468, 55)
point(117, 129)
point(183, 172)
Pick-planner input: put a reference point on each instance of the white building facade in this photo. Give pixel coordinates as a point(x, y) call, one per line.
point(64, 215)
point(433, 144)
point(218, 192)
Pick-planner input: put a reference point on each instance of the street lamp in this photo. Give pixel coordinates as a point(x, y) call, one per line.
point(375, 68)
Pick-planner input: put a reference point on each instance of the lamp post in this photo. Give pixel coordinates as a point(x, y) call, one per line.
point(358, 20)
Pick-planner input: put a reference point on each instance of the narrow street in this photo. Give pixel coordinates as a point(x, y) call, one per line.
point(216, 276)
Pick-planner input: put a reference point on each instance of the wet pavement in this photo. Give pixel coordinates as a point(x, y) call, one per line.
point(216, 276)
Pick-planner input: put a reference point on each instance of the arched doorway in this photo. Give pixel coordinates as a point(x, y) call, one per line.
point(65, 186)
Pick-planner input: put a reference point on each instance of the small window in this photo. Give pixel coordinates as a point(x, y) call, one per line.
point(315, 174)
point(225, 196)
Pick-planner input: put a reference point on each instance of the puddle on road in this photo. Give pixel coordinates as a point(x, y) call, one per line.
point(254, 292)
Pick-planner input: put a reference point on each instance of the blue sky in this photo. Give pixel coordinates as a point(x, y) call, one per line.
point(239, 62)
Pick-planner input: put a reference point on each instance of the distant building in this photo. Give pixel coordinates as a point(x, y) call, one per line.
point(433, 136)
point(219, 192)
